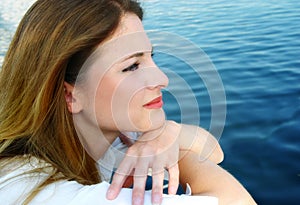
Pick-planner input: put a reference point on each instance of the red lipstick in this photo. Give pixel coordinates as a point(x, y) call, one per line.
point(155, 104)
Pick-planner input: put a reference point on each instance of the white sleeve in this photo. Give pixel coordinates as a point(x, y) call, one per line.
point(72, 193)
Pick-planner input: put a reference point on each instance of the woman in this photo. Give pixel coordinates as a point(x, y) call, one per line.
point(73, 80)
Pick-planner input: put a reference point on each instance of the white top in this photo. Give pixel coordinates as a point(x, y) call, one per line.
point(114, 155)
point(15, 187)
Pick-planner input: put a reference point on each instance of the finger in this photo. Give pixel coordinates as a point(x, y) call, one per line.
point(157, 186)
point(173, 179)
point(139, 183)
point(119, 178)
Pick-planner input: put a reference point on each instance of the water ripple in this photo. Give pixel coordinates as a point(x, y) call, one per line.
point(255, 47)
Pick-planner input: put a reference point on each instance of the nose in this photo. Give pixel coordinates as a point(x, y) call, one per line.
point(156, 78)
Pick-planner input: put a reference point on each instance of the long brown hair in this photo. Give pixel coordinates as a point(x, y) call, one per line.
point(51, 43)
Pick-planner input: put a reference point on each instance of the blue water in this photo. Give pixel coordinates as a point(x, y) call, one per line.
point(255, 49)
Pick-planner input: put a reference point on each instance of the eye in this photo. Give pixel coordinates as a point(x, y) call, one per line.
point(133, 67)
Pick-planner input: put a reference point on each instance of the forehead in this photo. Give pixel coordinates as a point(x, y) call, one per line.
point(129, 38)
point(129, 23)
point(119, 49)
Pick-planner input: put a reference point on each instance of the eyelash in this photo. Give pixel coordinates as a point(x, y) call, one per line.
point(134, 66)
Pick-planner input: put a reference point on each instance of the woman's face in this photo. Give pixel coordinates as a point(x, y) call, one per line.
point(122, 86)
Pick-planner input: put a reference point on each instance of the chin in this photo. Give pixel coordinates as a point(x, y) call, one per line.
point(154, 120)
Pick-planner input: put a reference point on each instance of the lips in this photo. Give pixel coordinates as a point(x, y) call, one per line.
point(155, 103)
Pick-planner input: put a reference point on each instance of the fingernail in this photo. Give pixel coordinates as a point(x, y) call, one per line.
point(110, 194)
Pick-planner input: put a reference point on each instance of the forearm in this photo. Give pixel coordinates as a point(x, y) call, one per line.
point(201, 142)
point(207, 178)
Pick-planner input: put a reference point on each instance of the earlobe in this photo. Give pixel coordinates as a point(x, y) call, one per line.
point(73, 102)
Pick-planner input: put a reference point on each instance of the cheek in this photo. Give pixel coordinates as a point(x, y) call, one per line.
point(114, 102)
point(103, 102)
point(139, 116)
point(119, 105)
point(104, 96)
point(144, 119)
point(125, 106)
point(135, 106)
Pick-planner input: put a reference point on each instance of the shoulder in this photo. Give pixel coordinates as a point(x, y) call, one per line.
point(15, 185)
point(76, 194)
point(19, 177)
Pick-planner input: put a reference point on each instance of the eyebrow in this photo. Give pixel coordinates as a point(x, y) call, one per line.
point(139, 54)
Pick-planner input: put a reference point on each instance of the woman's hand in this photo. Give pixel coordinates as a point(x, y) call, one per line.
point(156, 150)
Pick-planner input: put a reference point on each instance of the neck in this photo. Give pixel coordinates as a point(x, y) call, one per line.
point(95, 141)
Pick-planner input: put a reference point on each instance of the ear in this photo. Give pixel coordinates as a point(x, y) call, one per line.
point(73, 102)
